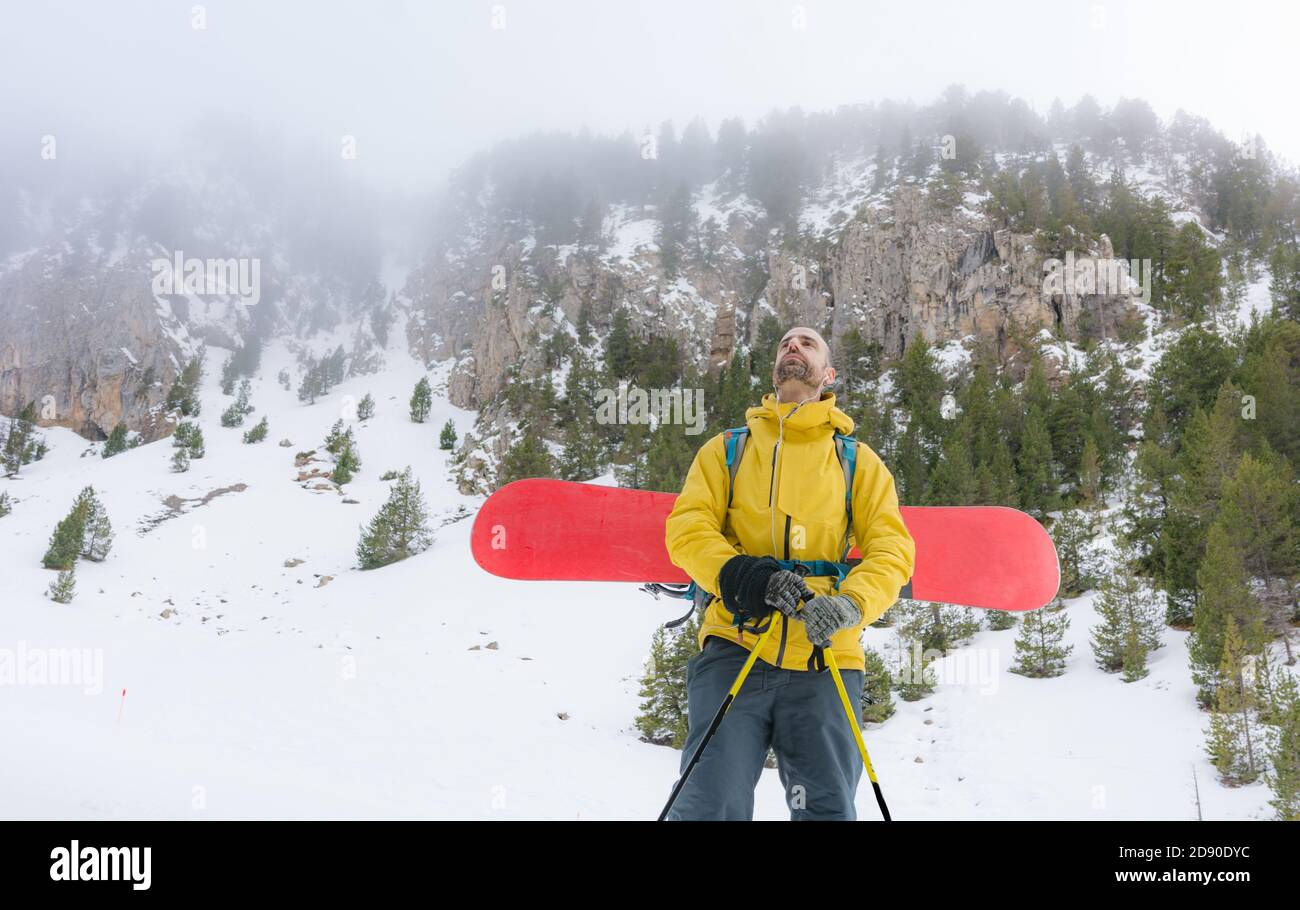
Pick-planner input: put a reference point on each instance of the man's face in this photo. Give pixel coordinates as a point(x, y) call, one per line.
point(802, 356)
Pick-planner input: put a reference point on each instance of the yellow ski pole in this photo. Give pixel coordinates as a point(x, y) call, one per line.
point(856, 726)
point(717, 718)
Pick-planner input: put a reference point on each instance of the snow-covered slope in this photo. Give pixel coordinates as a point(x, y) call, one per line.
point(265, 695)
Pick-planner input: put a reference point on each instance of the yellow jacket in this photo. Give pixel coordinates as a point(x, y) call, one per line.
point(789, 503)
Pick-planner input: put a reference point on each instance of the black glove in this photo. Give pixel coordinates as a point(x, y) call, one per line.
point(753, 585)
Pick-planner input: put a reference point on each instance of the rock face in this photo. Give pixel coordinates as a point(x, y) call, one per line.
point(489, 308)
point(897, 269)
point(89, 345)
point(906, 269)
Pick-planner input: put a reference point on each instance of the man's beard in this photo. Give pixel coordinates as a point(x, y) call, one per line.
point(794, 369)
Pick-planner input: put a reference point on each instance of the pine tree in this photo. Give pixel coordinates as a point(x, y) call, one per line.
point(938, 627)
point(97, 533)
point(258, 432)
point(1131, 620)
point(183, 394)
point(676, 223)
point(1073, 535)
point(347, 462)
point(181, 460)
point(912, 468)
point(1207, 458)
point(1258, 513)
point(664, 714)
point(668, 459)
point(584, 452)
point(1002, 478)
point(183, 435)
point(877, 689)
point(1192, 273)
point(337, 437)
point(447, 438)
point(233, 416)
point(1224, 594)
point(116, 444)
point(527, 457)
point(1262, 673)
point(400, 528)
point(1233, 737)
point(919, 387)
point(421, 400)
point(1039, 648)
point(366, 407)
point(67, 539)
point(312, 381)
point(953, 482)
point(1090, 491)
point(915, 677)
point(660, 708)
point(1271, 372)
point(630, 469)
point(228, 376)
point(999, 620)
point(619, 354)
point(63, 588)
point(1283, 752)
point(1038, 486)
point(6, 506)
point(33, 444)
point(245, 392)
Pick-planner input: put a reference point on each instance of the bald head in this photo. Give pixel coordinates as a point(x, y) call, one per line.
point(803, 365)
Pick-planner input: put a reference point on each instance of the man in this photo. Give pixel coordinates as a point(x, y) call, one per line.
point(788, 503)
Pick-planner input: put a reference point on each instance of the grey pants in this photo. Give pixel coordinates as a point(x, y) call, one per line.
point(796, 712)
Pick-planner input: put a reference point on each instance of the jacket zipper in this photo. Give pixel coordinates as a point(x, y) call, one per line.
point(780, 652)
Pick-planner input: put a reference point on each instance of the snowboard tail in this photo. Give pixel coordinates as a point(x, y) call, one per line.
point(991, 557)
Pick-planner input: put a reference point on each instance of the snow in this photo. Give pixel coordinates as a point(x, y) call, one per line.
point(563, 252)
point(1257, 300)
point(687, 303)
point(630, 236)
point(1068, 354)
point(950, 356)
point(264, 698)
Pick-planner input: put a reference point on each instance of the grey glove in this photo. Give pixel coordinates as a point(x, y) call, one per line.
point(824, 616)
point(785, 591)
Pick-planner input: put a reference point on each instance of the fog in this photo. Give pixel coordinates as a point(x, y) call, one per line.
point(421, 86)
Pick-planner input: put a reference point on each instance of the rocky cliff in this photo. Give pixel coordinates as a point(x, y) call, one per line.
point(893, 265)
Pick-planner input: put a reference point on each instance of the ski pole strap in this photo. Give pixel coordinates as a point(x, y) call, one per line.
point(758, 628)
point(817, 660)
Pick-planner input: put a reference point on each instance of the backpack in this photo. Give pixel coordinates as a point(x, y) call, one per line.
point(734, 439)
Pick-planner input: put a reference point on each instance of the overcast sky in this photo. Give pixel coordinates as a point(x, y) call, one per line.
point(421, 85)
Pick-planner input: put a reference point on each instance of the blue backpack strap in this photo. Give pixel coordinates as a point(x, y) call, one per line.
point(734, 439)
point(846, 448)
point(817, 568)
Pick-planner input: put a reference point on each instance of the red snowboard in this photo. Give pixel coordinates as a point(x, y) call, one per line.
point(976, 556)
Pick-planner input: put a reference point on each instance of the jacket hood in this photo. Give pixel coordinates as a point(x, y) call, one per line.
point(807, 420)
